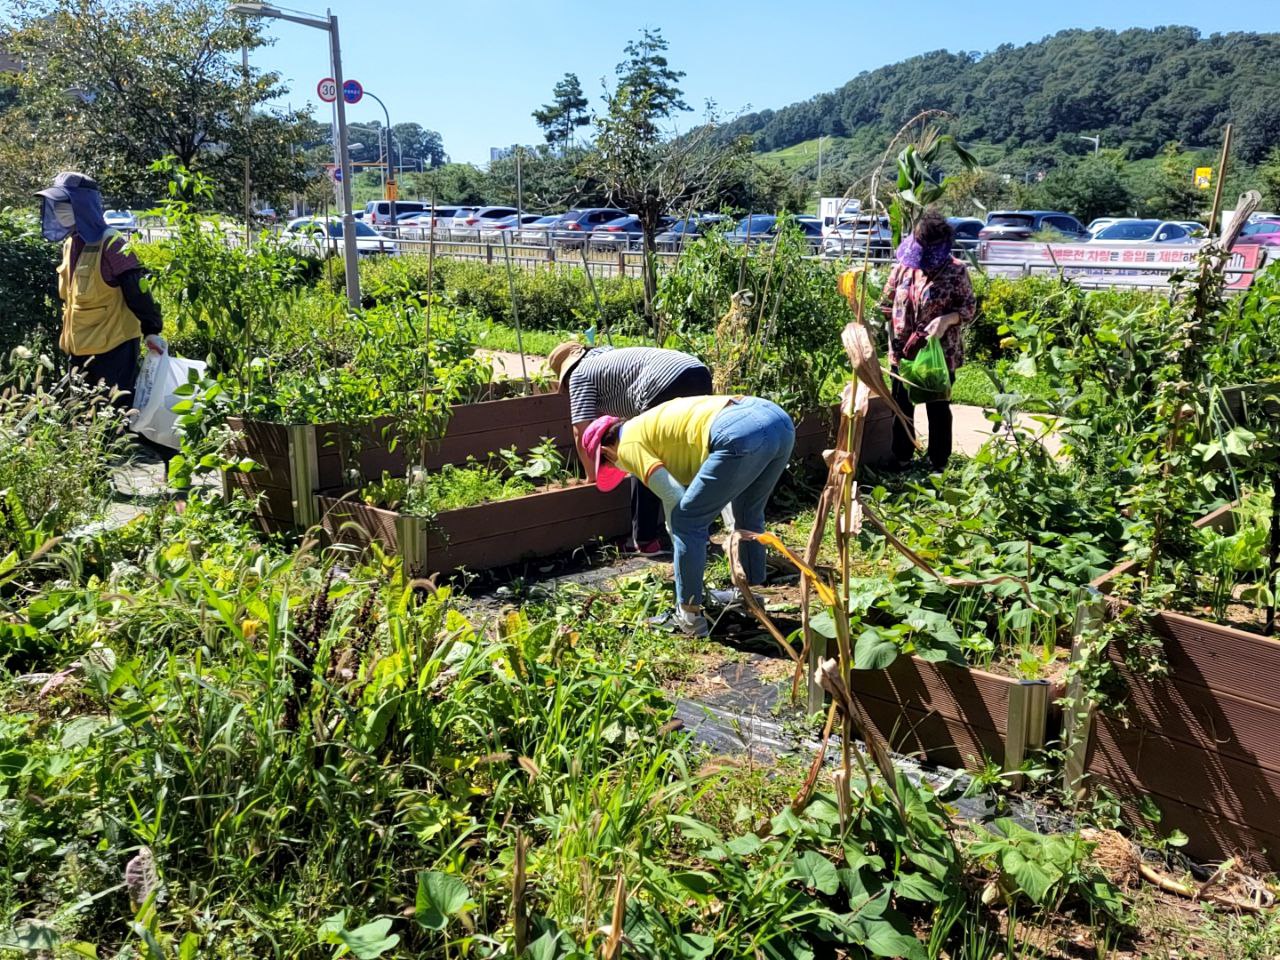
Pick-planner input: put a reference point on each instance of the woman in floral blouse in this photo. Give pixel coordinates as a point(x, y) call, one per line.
point(928, 294)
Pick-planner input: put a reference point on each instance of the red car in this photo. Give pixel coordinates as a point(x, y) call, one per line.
point(1265, 233)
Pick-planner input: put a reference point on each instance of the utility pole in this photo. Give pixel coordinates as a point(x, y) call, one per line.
point(388, 178)
point(248, 182)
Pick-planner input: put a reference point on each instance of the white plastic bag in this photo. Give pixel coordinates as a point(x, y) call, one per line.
point(155, 396)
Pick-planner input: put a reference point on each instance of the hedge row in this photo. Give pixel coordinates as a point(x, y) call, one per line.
point(28, 284)
point(548, 299)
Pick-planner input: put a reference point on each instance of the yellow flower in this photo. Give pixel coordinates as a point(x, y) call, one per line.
point(250, 628)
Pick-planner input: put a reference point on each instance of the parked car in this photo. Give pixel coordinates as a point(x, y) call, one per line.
point(853, 236)
point(1100, 222)
point(758, 227)
point(1196, 229)
point(575, 226)
point(1143, 231)
point(510, 226)
point(121, 220)
point(377, 213)
point(317, 238)
point(625, 232)
point(538, 232)
point(683, 230)
point(1024, 224)
point(468, 223)
point(967, 229)
point(1261, 233)
point(420, 225)
point(266, 215)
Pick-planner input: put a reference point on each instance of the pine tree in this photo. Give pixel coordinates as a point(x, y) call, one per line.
point(649, 79)
point(566, 112)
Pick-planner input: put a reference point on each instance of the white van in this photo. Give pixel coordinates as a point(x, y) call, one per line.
point(377, 213)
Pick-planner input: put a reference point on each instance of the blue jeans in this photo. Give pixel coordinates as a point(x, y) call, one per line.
point(751, 443)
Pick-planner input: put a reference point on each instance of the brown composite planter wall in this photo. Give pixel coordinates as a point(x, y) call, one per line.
point(816, 433)
point(490, 535)
point(299, 460)
point(955, 716)
point(1203, 743)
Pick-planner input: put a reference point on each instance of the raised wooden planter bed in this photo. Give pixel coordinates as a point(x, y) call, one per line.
point(1204, 742)
point(956, 716)
point(300, 460)
point(816, 433)
point(482, 537)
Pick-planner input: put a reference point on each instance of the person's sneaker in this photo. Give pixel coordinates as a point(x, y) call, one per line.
point(725, 598)
point(682, 621)
point(652, 548)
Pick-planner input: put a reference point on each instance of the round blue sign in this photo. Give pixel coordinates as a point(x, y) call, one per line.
point(352, 91)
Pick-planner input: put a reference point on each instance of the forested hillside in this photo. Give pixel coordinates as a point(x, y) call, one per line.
point(1138, 89)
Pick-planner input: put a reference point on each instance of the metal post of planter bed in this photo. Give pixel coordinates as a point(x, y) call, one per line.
point(411, 540)
point(1077, 719)
point(304, 473)
point(1027, 719)
point(817, 653)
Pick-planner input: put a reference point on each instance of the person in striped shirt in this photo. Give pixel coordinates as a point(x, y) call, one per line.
point(625, 382)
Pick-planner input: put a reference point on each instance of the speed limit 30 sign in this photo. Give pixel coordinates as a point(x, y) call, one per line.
point(327, 89)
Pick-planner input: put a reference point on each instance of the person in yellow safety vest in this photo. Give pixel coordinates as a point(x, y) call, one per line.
point(105, 310)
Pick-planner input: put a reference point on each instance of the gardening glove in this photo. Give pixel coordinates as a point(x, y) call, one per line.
point(156, 343)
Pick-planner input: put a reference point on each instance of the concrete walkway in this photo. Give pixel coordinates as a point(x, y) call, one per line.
point(971, 428)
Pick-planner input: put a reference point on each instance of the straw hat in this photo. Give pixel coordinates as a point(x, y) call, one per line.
point(564, 358)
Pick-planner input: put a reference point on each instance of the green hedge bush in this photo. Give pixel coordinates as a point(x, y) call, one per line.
point(549, 299)
point(999, 298)
point(28, 283)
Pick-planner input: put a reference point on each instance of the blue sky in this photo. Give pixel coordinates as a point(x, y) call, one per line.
point(475, 69)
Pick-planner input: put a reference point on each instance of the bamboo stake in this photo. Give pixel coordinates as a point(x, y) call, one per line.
point(591, 283)
point(519, 912)
point(1222, 176)
point(515, 314)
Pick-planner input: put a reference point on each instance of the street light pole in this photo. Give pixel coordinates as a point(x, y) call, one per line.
point(330, 23)
point(350, 256)
point(389, 176)
point(1096, 141)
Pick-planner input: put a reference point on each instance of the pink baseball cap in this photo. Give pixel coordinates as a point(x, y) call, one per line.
point(608, 476)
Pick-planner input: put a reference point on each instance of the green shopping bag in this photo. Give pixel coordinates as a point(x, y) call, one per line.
point(926, 374)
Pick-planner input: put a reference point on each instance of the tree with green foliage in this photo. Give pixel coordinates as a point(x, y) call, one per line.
point(1269, 174)
point(550, 179)
point(1169, 191)
point(648, 76)
point(413, 141)
point(653, 177)
point(1089, 188)
point(566, 112)
point(1138, 88)
point(131, 81)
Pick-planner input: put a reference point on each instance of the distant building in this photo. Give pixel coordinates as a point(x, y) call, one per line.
point(501, 153)
point(8, 63)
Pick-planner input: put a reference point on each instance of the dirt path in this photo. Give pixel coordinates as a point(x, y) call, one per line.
point(506, 364)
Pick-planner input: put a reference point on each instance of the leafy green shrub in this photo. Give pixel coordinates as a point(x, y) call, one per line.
point(505, 476)
point(783, 342)
point(1002, 298)
point(55, 445)
point(28, 284)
